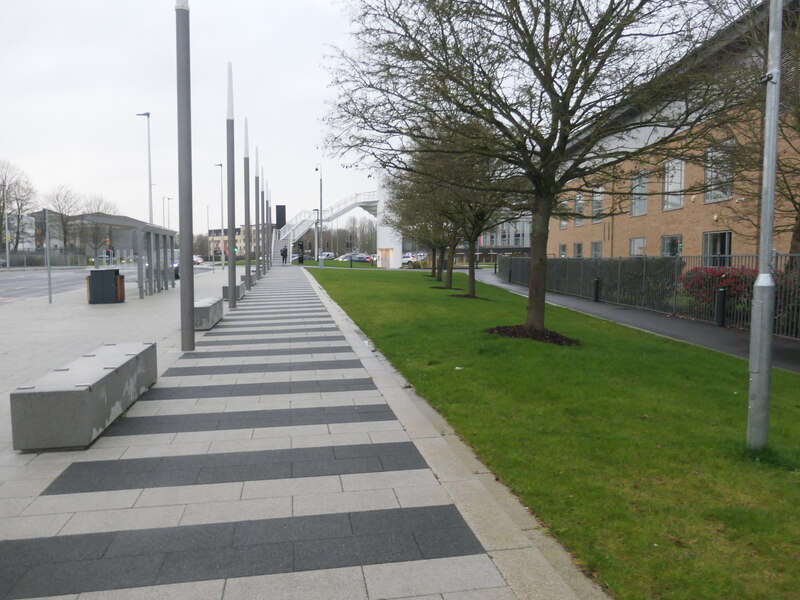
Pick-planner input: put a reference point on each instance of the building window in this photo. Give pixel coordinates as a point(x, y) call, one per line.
point(562, 251)
point(638, 246)
point(597, 205)
point(717, 248)
point(579, 210)
point(673, 185)
point(577, 250)
point(597, 249)
point(562, 207)
point(719, 173)
point(517, 239)
point(672, 245)
point(639, 195)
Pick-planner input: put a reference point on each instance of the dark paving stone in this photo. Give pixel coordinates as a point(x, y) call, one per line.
point(391, 449)
point(370, 464)
point(311, 365)
point(294, 529)
point(226, 467)
point(425, 518)
point(234, 329)
point(443, 543)
point(364, 550)
point(248, 419)
point(197, 565)
point(267, 352)
point(275, 340)
point(402, 462)
point(269, 320)
point(281, 331)
point(258, 389)
point(57, 549)
point(171, 539)
point(9, 576)
point(89, 575)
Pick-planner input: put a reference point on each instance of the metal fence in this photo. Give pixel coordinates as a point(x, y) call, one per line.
point(686, 286)
point(37, 259)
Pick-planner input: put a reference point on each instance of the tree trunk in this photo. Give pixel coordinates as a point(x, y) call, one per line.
point(433, 262)
point(471, 245)
point(540, 219)
point(451, 254)
point(440, 270)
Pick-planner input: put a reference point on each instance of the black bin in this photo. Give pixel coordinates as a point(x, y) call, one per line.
point(105, 286)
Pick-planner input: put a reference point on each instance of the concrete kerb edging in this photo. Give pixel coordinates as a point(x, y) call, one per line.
point(534, 565)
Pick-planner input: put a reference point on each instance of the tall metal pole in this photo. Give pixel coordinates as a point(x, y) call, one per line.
point(267, 217)
point(208, 239)
point(183, 56)
point(231, 196)
point(8, 235)
point(149, 166)
point(319, 250)
point(221, 221)
point(763, 311)
point(47, 256)
point(247, 238)
point(258, 221)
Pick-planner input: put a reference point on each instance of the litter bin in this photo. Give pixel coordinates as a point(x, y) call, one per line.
point(105, 286)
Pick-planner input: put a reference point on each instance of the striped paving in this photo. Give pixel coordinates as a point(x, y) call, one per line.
point(255, 468)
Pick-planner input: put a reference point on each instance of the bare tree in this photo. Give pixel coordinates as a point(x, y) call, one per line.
point(566, 90)
point(17, 199)
point(66, 204)
point(96, 235)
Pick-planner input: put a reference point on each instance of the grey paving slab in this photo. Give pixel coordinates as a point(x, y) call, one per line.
point(312, 365)
point(248, 419)
point(199, 469)
point(257, 389)
point(276, 328)
point(265, 352)
point(273, 340)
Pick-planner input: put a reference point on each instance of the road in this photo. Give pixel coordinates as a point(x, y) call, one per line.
point(19, 284)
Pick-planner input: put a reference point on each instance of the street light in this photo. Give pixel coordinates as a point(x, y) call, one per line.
point(208, 245)
point(221, 221)
point(165, 222)
point(319, 241)
point(149, 166)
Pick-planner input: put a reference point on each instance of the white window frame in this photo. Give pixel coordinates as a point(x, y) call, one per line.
point(718, 177)
point(673, 185)
point(562, 251)
point(563, 221)
point(665, 239)
point(597, 249)
point(639, 194)
point(577, 250)
point(634, 244)
point(579, 208)
point(597, 204)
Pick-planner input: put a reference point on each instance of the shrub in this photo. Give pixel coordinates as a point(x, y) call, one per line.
point(702, 282)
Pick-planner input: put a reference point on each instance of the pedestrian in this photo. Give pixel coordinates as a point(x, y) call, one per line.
point(284, 254)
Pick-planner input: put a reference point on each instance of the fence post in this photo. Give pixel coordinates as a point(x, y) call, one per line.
point(619, 280)
point(719, 307)
point(675, 287)
point(596, 289)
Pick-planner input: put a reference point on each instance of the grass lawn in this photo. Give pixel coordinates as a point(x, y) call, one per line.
point(629, 448)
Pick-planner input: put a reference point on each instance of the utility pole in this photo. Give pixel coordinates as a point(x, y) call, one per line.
point(763, 310)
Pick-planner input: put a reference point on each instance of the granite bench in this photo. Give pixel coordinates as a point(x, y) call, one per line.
point(240, 288)
point(71, 406)
point(207, 313)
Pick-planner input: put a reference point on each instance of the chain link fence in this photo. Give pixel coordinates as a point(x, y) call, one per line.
point(708, 288)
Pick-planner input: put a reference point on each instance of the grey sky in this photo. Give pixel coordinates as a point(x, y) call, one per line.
point(75, 73)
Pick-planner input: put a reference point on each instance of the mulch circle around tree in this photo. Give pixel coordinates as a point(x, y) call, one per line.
point(468, 296)
point(546, 336)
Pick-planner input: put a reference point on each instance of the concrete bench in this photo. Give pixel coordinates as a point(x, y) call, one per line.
point(243, 278)
point(239, 291)
point(207, 313)
point(70, 407)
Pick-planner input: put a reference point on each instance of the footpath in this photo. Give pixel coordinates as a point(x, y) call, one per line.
point(283, 458)
point(736, 342)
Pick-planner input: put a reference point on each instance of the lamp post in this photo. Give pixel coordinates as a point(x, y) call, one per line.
point(221, 221)
point(208, 244)
point(8, 235)
point(149, 166)
point(165, 221)
point(319, 251)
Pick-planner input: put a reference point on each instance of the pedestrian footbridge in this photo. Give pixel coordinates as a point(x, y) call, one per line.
point(306, 219)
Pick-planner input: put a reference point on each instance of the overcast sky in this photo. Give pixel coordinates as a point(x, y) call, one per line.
point(74, 74)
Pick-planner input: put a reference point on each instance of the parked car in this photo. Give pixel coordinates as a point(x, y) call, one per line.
point(361, 257)
point(345, 257)
point(327, 255)
point(408, 259)
point(197, 259)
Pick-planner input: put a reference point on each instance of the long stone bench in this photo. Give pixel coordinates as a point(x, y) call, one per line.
point(243, 278)
point(70, 407)
point(207, 313)
point(240, 288)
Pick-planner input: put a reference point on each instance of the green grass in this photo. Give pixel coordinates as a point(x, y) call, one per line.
point(629, 448)
point(335, 263)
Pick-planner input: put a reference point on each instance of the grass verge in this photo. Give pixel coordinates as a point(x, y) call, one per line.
point(629, 448)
